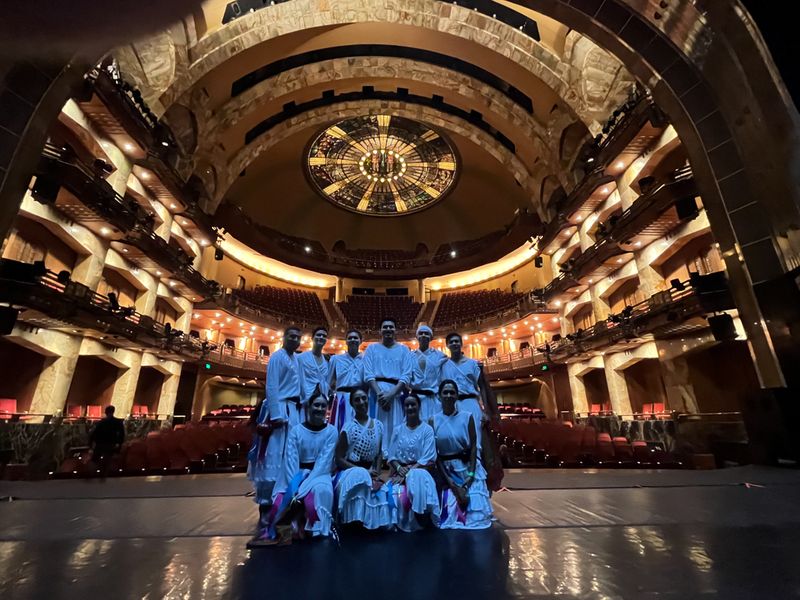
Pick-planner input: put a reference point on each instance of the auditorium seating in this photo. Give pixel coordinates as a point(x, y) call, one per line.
point(458, 307)
point(229, 411)
point(195, 447)
point(546, 443)
point(365, 312)
point(298, 305)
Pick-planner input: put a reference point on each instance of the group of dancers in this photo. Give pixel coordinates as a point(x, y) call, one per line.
point(329, 426)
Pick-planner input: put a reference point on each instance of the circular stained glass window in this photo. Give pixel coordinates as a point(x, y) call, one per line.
point(382, 165)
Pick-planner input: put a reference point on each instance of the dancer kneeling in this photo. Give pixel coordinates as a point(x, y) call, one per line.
point(465, 497)
point(305, 506)
point(412, 453)
point(362, 496)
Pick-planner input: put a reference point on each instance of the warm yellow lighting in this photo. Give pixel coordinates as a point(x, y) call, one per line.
point(509, 262)
point(258, 262)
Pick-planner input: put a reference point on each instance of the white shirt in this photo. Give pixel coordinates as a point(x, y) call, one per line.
point(394, 362)
point(314, 373)
point(284, 380)
point(346, 370)
point(429, 379)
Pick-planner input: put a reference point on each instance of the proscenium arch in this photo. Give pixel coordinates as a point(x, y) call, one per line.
point(353, 108)
point(737, 141)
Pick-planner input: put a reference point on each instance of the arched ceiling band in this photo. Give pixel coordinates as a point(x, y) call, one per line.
point(498, 11)
point(452, 63)
point(368, 93)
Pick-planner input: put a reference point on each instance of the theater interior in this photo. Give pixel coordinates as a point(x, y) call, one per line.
point(601, 196)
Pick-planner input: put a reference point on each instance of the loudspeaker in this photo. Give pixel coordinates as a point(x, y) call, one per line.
point(722, 327)
point(45, 189)
point(219, 254)
point(686, 209)
point(538, 262)
point(8, 316)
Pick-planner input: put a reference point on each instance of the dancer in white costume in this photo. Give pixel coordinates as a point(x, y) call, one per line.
point(472, 386)
point(278, 415)
point(412, 453)
point(427, 370)
point(305, 506)
point(361, 495)
point(346, 376)
point(465, 499)
point(388, 367)
point(315, 366)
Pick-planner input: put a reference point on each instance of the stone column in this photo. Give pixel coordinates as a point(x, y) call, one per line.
point(125, 387)
point(617, 386)
point(89, 270)
point(169, 392)
point(680, 391)
point(52, 387)
point(580, 402)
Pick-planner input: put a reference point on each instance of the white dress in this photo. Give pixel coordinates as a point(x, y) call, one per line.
point(452, 438)
point(314, 485)
point(417, 495)
point(357, 501)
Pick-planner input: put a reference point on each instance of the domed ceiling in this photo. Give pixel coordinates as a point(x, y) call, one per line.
point(380, 165)
point(282, 110)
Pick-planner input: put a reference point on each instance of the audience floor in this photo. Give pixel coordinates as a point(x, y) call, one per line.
point(732, 533)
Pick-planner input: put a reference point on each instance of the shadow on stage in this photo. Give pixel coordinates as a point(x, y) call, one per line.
point(425, 564)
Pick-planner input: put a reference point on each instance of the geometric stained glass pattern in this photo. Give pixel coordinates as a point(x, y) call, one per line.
point(382, 165)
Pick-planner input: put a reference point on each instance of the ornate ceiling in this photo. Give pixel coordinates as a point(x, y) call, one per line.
point(255, 99)
point(380, 165)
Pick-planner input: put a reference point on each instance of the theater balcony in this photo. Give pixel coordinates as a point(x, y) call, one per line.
point(369, 263)
point(79, 191)
point(118, 110)
point(42, 299)
point(680, 310)
point(658, 211)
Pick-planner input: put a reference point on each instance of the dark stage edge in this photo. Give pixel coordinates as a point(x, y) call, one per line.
point(732, 533)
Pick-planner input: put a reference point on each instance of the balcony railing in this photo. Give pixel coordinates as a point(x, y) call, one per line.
point(656, 315)
point(93, 191)
point(632, 221)
point(70, 305)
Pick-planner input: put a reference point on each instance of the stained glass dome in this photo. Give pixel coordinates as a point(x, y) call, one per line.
point(382, 165)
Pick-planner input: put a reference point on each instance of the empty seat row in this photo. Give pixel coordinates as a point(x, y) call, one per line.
point(293, 303)
point(456, 307)
point(186, 448)
point(562, 444)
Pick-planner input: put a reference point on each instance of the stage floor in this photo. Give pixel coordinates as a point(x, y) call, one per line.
point(732, 533)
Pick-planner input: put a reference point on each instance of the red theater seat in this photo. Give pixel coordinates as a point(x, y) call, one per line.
point(8, 406)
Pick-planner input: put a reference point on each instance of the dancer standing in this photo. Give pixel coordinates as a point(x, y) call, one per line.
point(427, 371)
point(388, 367)
point(278, 415)
point(346, 376)
point(315, 366)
